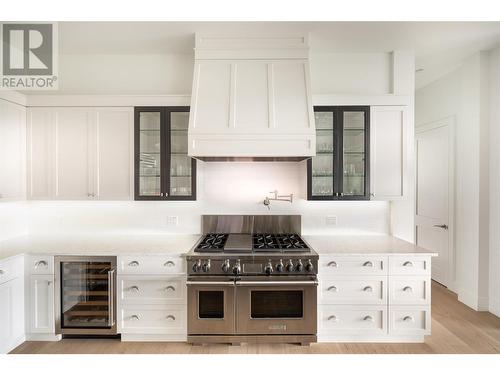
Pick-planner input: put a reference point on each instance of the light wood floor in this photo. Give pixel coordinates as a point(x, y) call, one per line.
point(455, 329)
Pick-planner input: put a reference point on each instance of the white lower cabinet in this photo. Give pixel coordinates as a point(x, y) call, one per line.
point(152, 298)
point(41, 304)
point(11, 313)
point(374, 299)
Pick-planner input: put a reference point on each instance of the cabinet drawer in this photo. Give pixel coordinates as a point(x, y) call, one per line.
point(367, 290)
point(40, 264)
point(152, 290)
point(11, 268)
point(410, 265)
point(352, 320)
point(152, 264)
point(405, 290)
point(353, 265)
point(153, 319)
point(409, 320)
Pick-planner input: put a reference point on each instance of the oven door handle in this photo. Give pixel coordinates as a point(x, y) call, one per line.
point(277, 283)
point(230, 283)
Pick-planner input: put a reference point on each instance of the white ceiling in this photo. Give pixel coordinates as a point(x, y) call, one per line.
point(439, 46)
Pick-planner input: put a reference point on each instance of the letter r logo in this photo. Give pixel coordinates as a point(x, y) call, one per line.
point(27, 49)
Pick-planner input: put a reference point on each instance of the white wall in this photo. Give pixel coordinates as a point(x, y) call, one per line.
point(224, 188)
point(494, 169)
point(459, 94)
point(13, 219)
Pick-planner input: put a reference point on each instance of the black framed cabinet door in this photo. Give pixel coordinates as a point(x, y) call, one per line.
point(163, 170)
point(340, 169)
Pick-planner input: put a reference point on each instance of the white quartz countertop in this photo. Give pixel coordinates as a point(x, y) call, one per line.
point(80, 244)
point(150, 244)
point(364, 244)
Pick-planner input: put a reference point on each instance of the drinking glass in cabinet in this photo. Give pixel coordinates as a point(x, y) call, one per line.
point(354, 153)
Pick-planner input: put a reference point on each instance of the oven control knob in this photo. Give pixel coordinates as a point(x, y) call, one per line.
point(268, 269)
point(237, 268)
point(280, 266)
point(196, 266)
point(289, 266)
point(206, 266)
point(309, 266)
point(299, 267)
point(225, 266)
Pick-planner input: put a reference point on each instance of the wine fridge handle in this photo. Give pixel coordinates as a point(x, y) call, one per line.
point(111, 298)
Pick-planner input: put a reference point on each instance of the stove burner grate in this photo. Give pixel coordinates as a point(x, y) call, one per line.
point(213, 242)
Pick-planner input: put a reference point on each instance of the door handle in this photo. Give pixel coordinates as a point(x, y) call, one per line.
point(208, 283)
point(443, 226)
point(277, 283)
point(111, 298)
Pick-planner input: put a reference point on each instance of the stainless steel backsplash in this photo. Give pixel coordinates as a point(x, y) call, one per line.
point(251, 224)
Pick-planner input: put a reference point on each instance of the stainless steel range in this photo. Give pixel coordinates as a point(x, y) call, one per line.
point(252, 279)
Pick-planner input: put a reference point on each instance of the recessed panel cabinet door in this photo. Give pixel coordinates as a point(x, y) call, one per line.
point(41, 307)
point(72, 146)
point(12, 150)
point(114, 130)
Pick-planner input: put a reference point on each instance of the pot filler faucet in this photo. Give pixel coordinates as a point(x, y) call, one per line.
point(276, 197)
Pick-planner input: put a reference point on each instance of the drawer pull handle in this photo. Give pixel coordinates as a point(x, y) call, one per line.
point(135, 317)
point(408, 319)
point(169, 263)
point(171, 317)
point(333, 318)
point(368, 264)
point(170, 287)
point(368, 289)
point(408, 289)
point(333, 264)
point(368, 318)
point(134, 288)
point(332, 288)
point(408, 264)
point(40, 263)
point(134, 263)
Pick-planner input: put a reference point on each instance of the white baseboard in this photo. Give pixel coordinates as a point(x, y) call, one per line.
point(494, 307)
point(43, 337)
point(153, 337)
point(472, 300)
point(374, 339)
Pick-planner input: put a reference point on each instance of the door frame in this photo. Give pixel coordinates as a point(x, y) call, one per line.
point(449, 122)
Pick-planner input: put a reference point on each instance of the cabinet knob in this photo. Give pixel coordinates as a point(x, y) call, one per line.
point(368, 264)
point(332, 264)
point(134, 263)
point(135, 317)
point(368, 318)
point(134, 288)
point(169, 263)
point(408, 289)
point(170, 317)
point(408, 264)
point(333, 318)
point(170, 287)
point(408, 318)
point(332, 288)
point(368, 289)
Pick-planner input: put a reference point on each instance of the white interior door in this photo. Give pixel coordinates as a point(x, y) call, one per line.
point(434, 205)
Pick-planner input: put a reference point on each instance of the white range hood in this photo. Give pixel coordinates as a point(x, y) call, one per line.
point(251, 100)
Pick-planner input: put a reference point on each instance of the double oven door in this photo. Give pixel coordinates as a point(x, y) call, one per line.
point(252, 306)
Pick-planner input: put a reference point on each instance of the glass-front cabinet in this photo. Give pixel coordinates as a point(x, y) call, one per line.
point(340, 169)
point(163, 170)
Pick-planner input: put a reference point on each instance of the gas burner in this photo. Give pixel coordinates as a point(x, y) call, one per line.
point(291, 242)
point(212, 242)
point(264, 242)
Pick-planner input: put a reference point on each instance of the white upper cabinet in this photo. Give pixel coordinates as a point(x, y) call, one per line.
point(251, 101)
point(73, 174)
point(389, 137)
point(12, 151)
point(80, 153)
